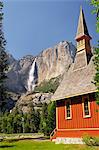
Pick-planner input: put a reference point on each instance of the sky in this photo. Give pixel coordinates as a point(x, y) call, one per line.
point(31, 26)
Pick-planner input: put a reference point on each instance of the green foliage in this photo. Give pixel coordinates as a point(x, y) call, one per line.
point(17, 122)
point(26, 124)
point(48, 86)
point(96, 78)
point(3, 63)
point(48, 120)
point(43, 118)
point(34, 120)
point(51, 120)
point(91, 141)
point(95, 4)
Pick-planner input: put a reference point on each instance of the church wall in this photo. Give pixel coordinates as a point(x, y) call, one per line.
point(77, 121)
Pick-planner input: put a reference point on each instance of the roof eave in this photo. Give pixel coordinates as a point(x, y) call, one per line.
point(84, 36)
point(74, 95)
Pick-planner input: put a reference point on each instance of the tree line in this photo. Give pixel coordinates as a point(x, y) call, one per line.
point(32, 122)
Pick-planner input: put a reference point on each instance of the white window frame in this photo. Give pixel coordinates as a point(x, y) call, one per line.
point(83, 98)
point(67, 118)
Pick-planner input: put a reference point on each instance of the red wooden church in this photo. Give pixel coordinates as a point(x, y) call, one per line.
point(76, 108)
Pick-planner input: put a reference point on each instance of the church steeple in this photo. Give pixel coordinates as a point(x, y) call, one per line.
point(82, 37)
point(82, 27)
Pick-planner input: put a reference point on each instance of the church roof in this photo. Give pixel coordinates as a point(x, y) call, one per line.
point(76, 82)
point(82, 27)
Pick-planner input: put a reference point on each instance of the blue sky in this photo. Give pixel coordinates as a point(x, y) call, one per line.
point(31, 26)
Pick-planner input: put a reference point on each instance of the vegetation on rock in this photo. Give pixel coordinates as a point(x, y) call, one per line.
point(48, 86)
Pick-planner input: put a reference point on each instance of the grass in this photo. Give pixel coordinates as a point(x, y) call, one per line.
point(41, 145)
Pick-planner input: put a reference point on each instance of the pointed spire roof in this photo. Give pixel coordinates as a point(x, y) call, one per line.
point(82, 27)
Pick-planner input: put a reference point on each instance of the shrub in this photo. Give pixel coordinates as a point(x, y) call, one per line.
point(91, 141)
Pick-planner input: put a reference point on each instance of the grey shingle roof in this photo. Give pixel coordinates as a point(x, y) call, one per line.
point(76, 82)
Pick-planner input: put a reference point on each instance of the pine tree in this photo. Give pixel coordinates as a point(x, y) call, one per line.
point(3, 63)
point(26, 123)
point(32, 118)
point(95, 4)
point(37, 120)
point(43, 118)
point(96, 78)
point(48, 118)
point(51, 119)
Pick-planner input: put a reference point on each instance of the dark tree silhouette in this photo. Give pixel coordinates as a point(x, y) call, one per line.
point(3, 63)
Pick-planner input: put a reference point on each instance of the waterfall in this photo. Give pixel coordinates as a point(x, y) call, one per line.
point(32, 80)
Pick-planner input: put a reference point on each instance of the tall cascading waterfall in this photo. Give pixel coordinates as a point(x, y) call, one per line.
point(33, 77)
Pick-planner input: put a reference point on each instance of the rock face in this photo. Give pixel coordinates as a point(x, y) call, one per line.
point(18, 73)
point(11, 101)
point(25, 102)
point(50, 63)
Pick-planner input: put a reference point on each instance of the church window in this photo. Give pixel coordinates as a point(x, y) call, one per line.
point(86, 107)
point(68, 110)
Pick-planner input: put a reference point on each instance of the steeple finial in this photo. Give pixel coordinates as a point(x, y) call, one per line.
point(80, 7)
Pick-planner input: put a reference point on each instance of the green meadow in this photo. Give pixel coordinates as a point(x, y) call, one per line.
point(41, 145)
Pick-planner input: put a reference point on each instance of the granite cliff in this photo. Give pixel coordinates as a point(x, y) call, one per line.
point(50, 63)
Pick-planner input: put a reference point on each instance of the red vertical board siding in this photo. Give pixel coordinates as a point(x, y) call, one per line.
point(78, 133)
point(77, 120)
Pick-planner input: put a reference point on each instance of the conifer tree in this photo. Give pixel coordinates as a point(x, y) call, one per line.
point(96, 78)
point(48, 118)
point(3, 63)
point(95, 4)
point(43, 118)
point(51, 119)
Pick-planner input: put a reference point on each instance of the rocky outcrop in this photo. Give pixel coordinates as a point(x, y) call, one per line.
point(25, 102)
